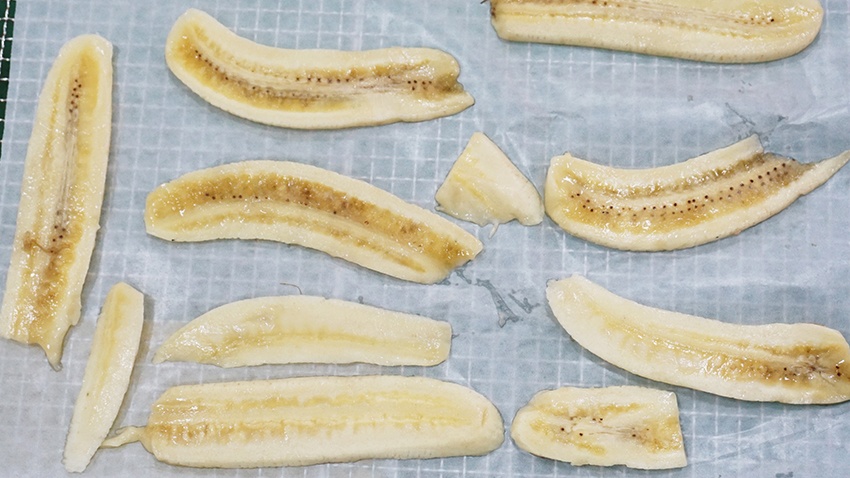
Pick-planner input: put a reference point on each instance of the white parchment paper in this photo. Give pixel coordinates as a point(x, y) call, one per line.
point(534, 101)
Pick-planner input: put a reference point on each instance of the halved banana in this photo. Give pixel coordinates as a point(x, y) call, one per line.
point(789, 363)
point(313, 207)
point(61, 197)
point(722, 31)
point(309, 420)
point(485, 187)
point(312, 89)
point(304, 329)
point(633, 426)
point(107, 375)
point(683, 205)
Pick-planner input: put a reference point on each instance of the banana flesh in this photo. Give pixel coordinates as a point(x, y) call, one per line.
point(633, 426)
point(683, 205)
point(312, 89)
point(721, 31)
point(485, 187)
point(313, 207)
point(61, 197)
point(107, 375)
point(304, 329)
point(789, 363)
point(310, 420)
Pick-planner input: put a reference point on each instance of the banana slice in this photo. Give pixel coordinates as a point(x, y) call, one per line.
point(310, 420)
point(789, 363)
point(61, 197)
point(722, 31)
point(312, 89)
point(633, 426)
point(485, 187)
point(303, 329)
point(107, 375)
point(313, 207)
point(682, 205)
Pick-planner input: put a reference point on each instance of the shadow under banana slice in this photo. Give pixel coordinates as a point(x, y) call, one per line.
point(311, 88)
point(701, 200)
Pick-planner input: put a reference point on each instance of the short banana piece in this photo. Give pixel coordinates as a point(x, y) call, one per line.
point(310, 420)
point(485, 187)
point(682, 205)
point(789, 363)
point(632, 426)
point(313, 207)
point(312, 89)
point(304, 329)
point(107, 375)
point(61, 197)
point(722, 31)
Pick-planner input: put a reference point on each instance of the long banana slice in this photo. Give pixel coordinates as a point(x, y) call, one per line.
point(485, 187)
point(313, 207)
point(304, 329)
point(309, 420)
point(682, 205)
point(107, 375)
point(633, 426)
point(789, 363)
point(61, 197)
point(312, 89)
point(722, 31)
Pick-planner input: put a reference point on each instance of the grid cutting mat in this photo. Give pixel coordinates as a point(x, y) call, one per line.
point(534, 101)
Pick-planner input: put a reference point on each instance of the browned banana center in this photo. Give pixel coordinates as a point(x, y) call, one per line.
point(707, 196)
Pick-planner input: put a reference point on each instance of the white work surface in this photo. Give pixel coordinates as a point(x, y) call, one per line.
point(534, 101)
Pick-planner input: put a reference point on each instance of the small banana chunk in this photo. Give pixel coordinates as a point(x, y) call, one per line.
point(789, 363)
point(633, 426)
point(312, 89)
point(310, 420)
point(312, 207)
point(304, 329)
point(701, 200)
point(721, 31)
point(61, 198)
point(485, 187)
point(107, 375)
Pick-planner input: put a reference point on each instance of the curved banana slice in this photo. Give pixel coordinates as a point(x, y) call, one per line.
point(633, 426)
point(313, 207)
point(721, 31)
point(682, 205)
point(304, 329)
point(309, 420)
point(485, 187)
point(107, 376)
point(796, 363)
point(312, 89)
point(61, 197)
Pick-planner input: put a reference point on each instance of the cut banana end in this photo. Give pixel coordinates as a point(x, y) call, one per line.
point(107, 375)
point(722, 31)
point(312, 89)
point(313, 207)
point(682, 205)
point(304, 329)
point(632, 426)
point(310, 420)
point(485, 187)
point(61, 197)
point(789, 363)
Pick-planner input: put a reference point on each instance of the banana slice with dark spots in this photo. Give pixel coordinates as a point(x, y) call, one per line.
point(61, 197)
point(722, 31)
point(789, 363)
point(312, 207)
point(312, 89)
point(683, 205)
